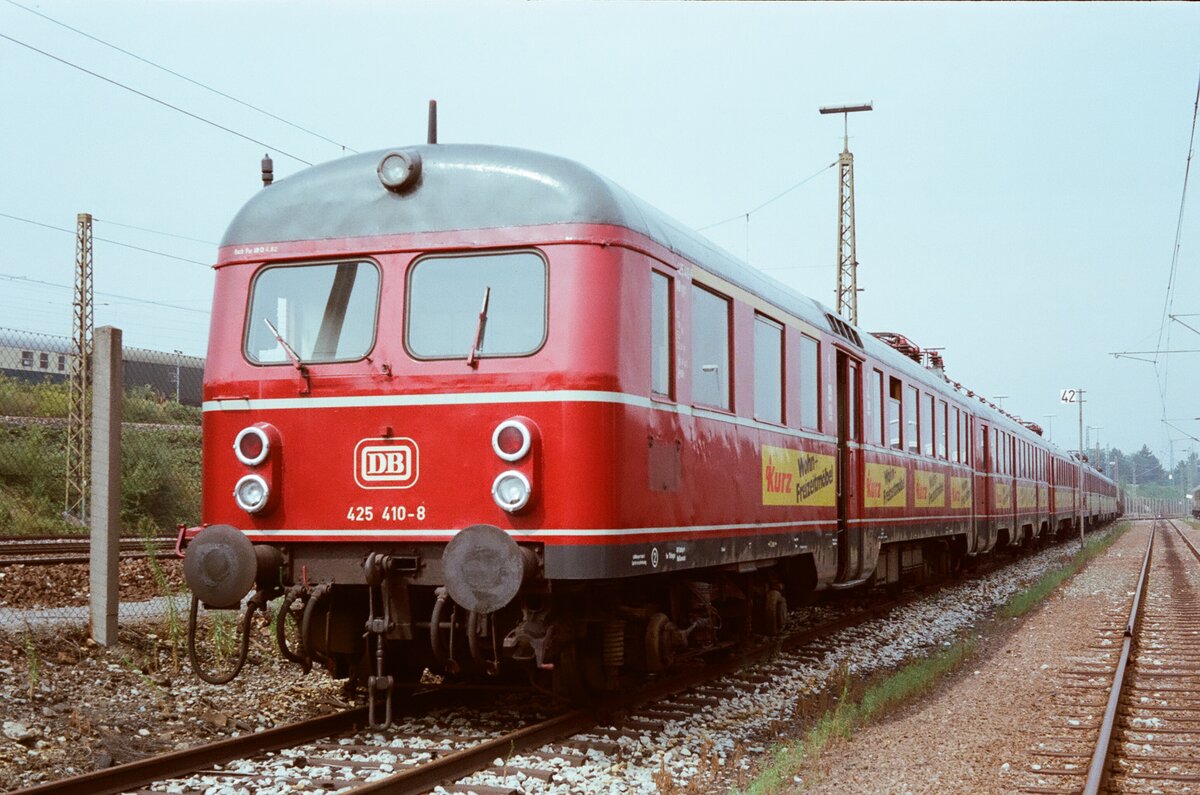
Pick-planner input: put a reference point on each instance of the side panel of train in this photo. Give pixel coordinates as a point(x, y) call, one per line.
point(681, 423)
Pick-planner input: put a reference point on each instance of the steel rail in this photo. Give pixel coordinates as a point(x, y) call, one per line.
point(123, 778)
point(47, 552)
point(462, 763)
point(1195, 552)
point(459, 764)
point(1098, 769)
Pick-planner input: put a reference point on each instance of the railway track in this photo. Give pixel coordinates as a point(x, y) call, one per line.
point(419, 754)
point(55, 550)
point(508, 747)
point(1132, 706)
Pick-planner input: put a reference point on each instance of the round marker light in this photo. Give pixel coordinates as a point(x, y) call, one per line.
point(251, 445)
point(511, 491)
point(251, 493)
point(399, 170)
point(511, 440)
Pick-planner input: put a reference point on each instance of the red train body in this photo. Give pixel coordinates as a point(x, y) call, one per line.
point(537, 420)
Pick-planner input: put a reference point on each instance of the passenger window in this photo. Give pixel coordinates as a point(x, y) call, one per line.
point(894, 390)
point(810, 383)
point(927, 427)
point(952, 444)
point(940, 429)
point(768, 369)
point(875, 418)
point(912, 403)
point(662, 373)
point(711, 376)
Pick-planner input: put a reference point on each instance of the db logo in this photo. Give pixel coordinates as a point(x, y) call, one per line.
point(386, 463)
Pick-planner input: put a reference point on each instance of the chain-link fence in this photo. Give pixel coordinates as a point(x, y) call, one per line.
point(44, 489)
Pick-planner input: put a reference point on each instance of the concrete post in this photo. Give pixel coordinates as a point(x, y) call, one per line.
point(107, 392)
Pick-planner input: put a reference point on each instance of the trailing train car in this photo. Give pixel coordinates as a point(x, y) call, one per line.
point(34, 358)
point(485, 409)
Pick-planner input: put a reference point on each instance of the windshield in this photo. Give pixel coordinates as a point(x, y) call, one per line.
point(326, 312)
point(498, 300)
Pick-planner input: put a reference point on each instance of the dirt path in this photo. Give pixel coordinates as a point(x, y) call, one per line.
point(975, 733)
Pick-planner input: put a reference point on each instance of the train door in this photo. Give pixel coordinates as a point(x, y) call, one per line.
point(853, 558)
point(983, 491)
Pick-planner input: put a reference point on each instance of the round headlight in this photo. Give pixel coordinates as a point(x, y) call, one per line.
point(511, 440)
point(251, 493)
point(399, 170)
point(251, 446)
point(511, 491)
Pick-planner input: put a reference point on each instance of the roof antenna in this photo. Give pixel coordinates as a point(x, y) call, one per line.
point(433, 121)
point(268, 170)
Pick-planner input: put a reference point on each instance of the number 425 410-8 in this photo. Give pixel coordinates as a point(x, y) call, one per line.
point(389, 513)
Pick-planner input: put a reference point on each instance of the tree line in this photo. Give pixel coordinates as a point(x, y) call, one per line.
point(1144, 469)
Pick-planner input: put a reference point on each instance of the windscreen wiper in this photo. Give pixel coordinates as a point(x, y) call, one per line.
point(299, 365)
point(472, 356)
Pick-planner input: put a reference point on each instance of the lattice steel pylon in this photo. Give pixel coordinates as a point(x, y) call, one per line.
point(79, 411)
point(847, 249)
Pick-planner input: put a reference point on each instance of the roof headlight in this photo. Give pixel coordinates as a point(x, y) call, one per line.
point(252, 445)
point(511, 440)
point(399, 170)
point(511, 491)
point(251, 493)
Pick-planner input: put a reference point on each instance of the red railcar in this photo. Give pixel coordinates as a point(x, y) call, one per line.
point(485, 406)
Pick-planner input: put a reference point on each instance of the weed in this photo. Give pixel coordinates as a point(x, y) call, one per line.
point(1024, 601)
point(175, 626)
point(223, 637)
point(139, 671)
point(909, 682)
point(35, 662)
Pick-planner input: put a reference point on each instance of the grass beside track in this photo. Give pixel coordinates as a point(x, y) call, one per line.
point(911, 681)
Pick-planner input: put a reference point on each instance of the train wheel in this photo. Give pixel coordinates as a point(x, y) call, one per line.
point(774, 614)
point(578, 674)
point(568, 679)
point(660, 643)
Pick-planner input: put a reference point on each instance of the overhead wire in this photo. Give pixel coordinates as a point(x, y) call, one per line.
point(14, 278)
point(162, 102)
point(1164, 328)
point(153, 231)
point(104, 239)
point(771, 200)
point(172, 72)
point(746, 215)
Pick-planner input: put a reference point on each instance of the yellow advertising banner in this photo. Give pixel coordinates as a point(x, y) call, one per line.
point(886, 486)
point(1002, 496)
point(794, 477)
point(960, 492)
point(1026, 497)
point(929, 489)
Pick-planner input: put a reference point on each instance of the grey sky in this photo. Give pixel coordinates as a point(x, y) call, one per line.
point(1018, 183)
